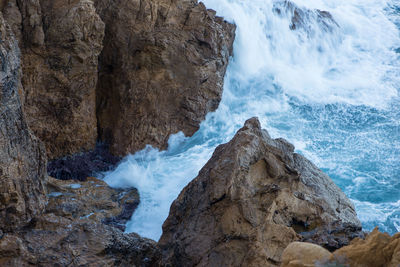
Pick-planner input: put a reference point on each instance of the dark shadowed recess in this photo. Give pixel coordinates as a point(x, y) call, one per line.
point(82, 165)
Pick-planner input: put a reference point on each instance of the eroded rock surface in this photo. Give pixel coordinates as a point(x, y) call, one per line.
point(92, 199)
point(72, 231)
point(378, 249)
point(60, 43)
point(22, 155)
point(252, 198)
point(161, 70)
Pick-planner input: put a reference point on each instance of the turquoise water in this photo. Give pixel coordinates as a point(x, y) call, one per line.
point(331, 91)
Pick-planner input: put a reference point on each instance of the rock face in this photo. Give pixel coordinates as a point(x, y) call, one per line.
point(22, 156)
point(253, 198)
point(60, 43)
point(71, 232)
point(161, 70)
point(92, 199)
point(378, 249)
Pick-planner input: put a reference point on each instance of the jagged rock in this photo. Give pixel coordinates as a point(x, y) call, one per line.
point(22, 156)
point(60, 43)
point(299, 254)
point(92, 199)
point(334, 235)
point(57, 241)
point(252, 198)
point(71, 232)
point(161, 70)
point(378, 249)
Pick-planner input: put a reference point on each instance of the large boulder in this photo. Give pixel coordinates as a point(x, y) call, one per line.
point(60, 43)
point(22, 156)
point(252, 198)
point(378, 249)
point(302, 254)
point(161, 70)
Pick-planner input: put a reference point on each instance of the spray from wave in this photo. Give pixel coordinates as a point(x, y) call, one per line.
point(327, 82)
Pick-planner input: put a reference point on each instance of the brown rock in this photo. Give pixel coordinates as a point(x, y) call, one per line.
point(92, 199)
point(60, 43)
point(71, 232)
point(161, 70)
point(57, 241)
point(301, 254)
point(378, 249)
point(248, 203)
point(22, 156)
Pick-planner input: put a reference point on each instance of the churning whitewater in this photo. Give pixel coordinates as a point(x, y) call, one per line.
point(328, 84)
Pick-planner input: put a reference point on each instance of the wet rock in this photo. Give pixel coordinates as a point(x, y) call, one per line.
point(334, 235)
point(77, 243)
point(92, 199)
point(71, 232)
point(22, 155)
point(248, 203)
point(60, 43)
point(161, 70)
point(299, 254)
point(302, 19)
point(378, 249)
point(81, 165)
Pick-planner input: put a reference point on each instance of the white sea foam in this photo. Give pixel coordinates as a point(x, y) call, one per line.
point(328, 92)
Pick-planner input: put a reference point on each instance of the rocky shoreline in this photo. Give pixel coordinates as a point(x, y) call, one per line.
point(84, 83)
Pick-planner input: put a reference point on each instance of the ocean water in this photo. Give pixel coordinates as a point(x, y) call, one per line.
point(330, 87)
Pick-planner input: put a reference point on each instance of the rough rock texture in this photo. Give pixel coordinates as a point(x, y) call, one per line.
point(71, 232)
point(248, 203)
point(22, 156)
point(334, 235)
point(57, 241)
point(377, 250)
point(93, 199)
point(299, 254)
point(161, 70)
point(60, 42)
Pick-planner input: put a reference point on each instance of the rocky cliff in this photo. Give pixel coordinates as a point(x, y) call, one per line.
point(60, 43)
point(252, 198)
point(22, 155)
point(135, 72)
point(161, 70)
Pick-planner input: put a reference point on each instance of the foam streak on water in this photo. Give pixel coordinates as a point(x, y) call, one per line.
point(329, 87)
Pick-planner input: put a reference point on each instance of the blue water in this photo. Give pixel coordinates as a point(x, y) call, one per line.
point(332, 93)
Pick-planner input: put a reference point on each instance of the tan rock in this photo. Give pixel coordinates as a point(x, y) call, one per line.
point(161, 70)
point(301, 254)
point(378, 249)
point(60, 43)
point(248, 203)
point(22, 155)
